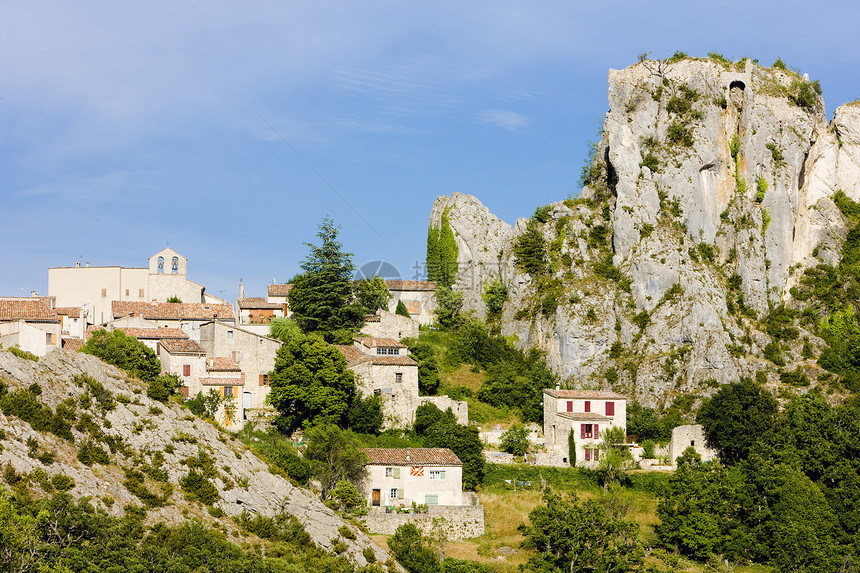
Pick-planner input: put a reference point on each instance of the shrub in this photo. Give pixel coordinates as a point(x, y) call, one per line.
point(642, 320)
point(62, 482)
point(765, 221)
point(771, 352)
point(541, 214)
point(401, 309)
point(24, 405)
point(776, 154)
point(515, 441)
point(124, 352)
point(794, 378)
point(761, 187)
point(677, 57)
point(91, 453)
point(197, 487)
point(779, 64)
point(680, 134)
point(23, 353)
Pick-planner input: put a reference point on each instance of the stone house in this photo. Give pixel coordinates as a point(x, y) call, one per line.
point(403, 476)
point(253, 353)
point(690, 436)
point(72, 321)
point(30, 323)
point(95, 288)
point(256, 310)
point(385, 324)
point(185, 358)
point(188, 317)
point(418, 296)
point(583, 414)
point(227, 378)
point(382, 367)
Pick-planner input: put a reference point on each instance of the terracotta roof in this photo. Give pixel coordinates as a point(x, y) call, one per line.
point(32, 309)
point(72, 344)
point(222, 381)
point(153, 333)
point(371, 342)
point(186, 346)
point(172, 310)
point(70, 311)
point(410, 285)
point(392, 360)
point(583, 416)
point(279, 289)
point(352, 354)
point(585, 394)
point(257, 302)
point(221, 364)
point(412, 457)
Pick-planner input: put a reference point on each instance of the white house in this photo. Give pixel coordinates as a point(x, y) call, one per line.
point(403, 476)
point(30, 323)
point(584, 414)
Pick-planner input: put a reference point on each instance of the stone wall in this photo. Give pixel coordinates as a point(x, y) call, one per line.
point(692, 435)
point(463, 521)
point(460, 408)
point(386, 324)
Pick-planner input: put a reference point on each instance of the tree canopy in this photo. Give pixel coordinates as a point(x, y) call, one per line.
point(124, 352)
point(310, 384)
point(372, 294)
point(321, 298)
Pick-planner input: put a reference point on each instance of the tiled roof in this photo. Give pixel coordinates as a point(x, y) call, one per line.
point(412, 457)
point(153, 333)
point(257, 302)
point(583, 416)
point(172, 310)
point(222, 381)
point(70, 311)
point(352, 354)
point(279, 289)
point(186, 346)
point(72, 344)
point(371, 342)
point(410, 285)
point(32, 309)
point(220, 364)
point(392, 360)
point(585, 394)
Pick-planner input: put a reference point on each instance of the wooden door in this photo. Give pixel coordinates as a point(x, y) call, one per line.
point(375, 497)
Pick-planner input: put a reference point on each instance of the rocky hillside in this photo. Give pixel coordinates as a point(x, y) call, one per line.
point(710, 192)
point(97, 427)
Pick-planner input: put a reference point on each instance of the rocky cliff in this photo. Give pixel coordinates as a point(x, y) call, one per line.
point(147, 435)
point(710, 191)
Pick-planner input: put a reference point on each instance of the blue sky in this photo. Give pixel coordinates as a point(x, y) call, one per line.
point(126, 125)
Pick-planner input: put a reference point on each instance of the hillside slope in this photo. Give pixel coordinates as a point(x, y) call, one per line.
point(155, 445)
point(710, 192)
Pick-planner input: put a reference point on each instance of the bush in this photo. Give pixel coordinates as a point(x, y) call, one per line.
point(680, 134)
point(124, 352)
point(23, 353)
point(530, 253)
point(413, 551)
point(761, 188)
point(515, 441)
point(651, 162)
point(24, 405)
point(197, 487)
point(91, 453)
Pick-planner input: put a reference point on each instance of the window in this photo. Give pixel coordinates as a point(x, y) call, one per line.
point(596, 455)
point(692, 443)
point(186, 370)
point(140, 293)
point(389, 472)
point(587, 406)
point(228, 391)
point(104, 292)
point(437, 474)
point(587, 455)
point(237, 356)
point(174, 265)
point(393, 493)
point(161, 264)
point(585, 431)
point(570, 405)
point(49, 338)
point(610, 408)
point(126, 292)
point(387, 350)
point(592, 454)
point(398, 377)
point(229, 337)
point(431, 499)
point(264, 379)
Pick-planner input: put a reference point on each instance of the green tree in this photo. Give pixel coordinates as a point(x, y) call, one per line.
point(442, 253)
point(429, 414)
point(613, 457)
point(365, 415)
point(495, 295)
point(402, 310)
point(448, 306)
point(321, 298)
point(516, 440)
point(163, 387)
point(571, 536)
point(174, 299)
point(283, 329)
point(413, 550)
point(310, 384)
point(428, 365)
point(530, 251)
point(736, 417)
point(372, 294)
point(124, 352)
point(334, 454)
point(465, 442)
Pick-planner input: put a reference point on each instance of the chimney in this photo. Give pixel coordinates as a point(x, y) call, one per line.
point(88, 264)
point(78, 264)
point(34, 294)
point(241, 289)
point(557, 387)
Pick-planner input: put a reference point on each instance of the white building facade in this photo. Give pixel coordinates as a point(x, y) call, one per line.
point(585, 415)
point(403, 476)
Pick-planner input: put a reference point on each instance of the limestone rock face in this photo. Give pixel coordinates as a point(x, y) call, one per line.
point(146, 427)
point(709, 170)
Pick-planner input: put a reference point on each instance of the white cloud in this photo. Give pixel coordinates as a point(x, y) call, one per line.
point(509, 120)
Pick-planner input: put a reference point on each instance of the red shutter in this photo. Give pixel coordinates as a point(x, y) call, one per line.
point(596, 432)
point(596, 455)
point(610, 408)
point(587, 454)
point(570, 405)
point(186, 370)
point(582, 431)
point(588, 405)
point(184, 391)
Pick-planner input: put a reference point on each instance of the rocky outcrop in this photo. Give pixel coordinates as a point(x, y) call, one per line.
point(706, 170)
point(147, 427)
